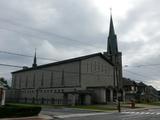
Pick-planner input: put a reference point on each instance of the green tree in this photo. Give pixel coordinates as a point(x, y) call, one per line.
point(4, 82)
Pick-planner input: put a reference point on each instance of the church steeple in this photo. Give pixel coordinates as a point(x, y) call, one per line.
point(111, 27)
point(35, 60)
point(114, 55)
point(112, 47)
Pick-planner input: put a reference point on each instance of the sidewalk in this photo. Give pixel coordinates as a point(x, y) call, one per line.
point(141, 107)
point(40, 117)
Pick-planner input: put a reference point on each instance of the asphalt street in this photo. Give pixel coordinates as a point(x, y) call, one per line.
point(77, 114)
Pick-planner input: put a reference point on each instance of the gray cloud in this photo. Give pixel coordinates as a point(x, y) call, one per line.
point(139, 33)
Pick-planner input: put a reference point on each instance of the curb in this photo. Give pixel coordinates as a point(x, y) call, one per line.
point(40, 116)
point(46, 117)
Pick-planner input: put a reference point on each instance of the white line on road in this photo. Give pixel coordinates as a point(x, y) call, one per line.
point(142, 113)
point(147, 113)
point(158, 113)
point(80, 115)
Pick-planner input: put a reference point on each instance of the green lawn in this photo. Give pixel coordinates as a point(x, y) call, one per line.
point(104, 107)
point(97, 107)
point(153, 103)
point(88, 107)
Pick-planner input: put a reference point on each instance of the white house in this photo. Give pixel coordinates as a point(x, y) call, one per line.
point(2, 93)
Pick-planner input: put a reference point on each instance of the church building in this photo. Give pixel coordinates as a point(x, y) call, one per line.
point(90, 79)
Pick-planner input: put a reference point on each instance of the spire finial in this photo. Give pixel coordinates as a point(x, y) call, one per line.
point(110, 10)
point(35, 60)
point(111, 28)
point(35, 51)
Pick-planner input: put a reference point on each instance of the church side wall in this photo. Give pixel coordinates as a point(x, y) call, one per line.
point(97, 75)
point(46, 84)
point(97, 72)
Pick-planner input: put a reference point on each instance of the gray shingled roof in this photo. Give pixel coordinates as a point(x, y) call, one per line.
point(128, 82)
point(66, 61)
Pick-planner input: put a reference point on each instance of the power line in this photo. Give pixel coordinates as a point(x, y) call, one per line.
point(50, 70)
point(146, 66)
point(147, 69)
point(138, 74)
point(30, 35)
point(51, 59)
point(8, 65)
point(45, 32)
point(142, 65)
point(134, 73)
point(23, 55)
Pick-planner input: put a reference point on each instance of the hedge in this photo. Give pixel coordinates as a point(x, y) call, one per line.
point(9, 111)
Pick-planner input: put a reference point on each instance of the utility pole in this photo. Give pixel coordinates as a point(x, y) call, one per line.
point(119, 105)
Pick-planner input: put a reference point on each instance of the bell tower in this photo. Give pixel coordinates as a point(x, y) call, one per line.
point(114, 55)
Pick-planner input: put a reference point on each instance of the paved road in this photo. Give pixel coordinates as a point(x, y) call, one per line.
point(29, 118)
point(74, 114)
point(63, 111)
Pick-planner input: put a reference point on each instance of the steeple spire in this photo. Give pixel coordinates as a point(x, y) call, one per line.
point(114, 55)
point(112, 47)
point(35, 60)
point(111, 27)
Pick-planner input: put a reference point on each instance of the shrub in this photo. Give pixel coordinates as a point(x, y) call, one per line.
point(8, 111)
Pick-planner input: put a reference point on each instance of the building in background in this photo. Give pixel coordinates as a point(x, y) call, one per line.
point(94, 78)
point(147, 93)
point(139, 92)
point(130, 88)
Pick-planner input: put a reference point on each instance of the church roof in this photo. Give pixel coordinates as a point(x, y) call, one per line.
point(142, 84)
point(65, 61)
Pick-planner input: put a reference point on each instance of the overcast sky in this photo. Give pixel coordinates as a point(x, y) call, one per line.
point(62, 29)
